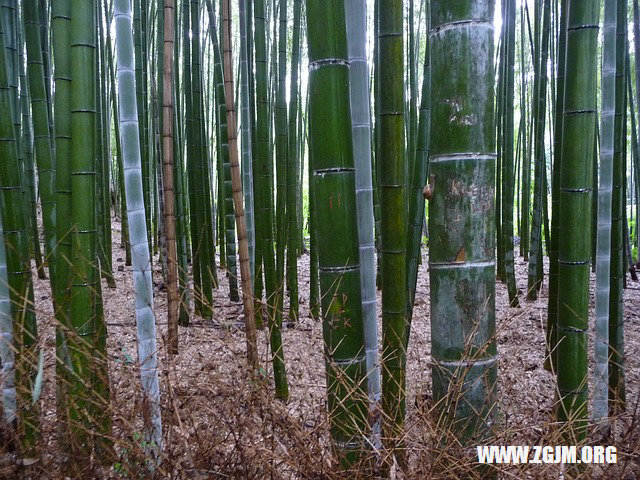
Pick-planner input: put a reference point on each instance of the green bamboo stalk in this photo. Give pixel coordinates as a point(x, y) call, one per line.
point(636, 153)
point(301, 140)
point(203, 235)
point(145, 319)
point(9, 17)
point(81, 340)
point(29, 168)
point(100, 410)
point(106, 257)
point(534, 279)
point(293, 162)
point(264, 182)
point(221, 217)
point(461, 217)
point(100, 159)
point(43, 23)
point(412, 110)
point(552, 308)
point(418, 179)
point(16, 242)
point(525, 160)
point(525, 235)
point(61, 41)
point(210, 205)
point(376, 140)
point(245, 272)
point(574, 249)
point(20, 285)
point(331, 153)
point(45, 159)
point(281, 150)
point(636, 53)
point(314, 281)
point(246, 114)
point(500, 113)
point(192, 174)
point(223, 149)
point(393, 222)
point(7, 310)
point(508, 154)
point(182, 230)
point(101, 401)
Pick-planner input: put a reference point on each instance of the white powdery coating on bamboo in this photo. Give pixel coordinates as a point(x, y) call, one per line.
point(140, 259)
point(356, 20)
point(247, 156)
point(603, 240)
point(6, 341)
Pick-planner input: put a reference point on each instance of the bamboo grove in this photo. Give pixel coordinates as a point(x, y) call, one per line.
point(367, 139)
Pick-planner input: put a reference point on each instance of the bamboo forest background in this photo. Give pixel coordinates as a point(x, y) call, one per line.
point(317, 239)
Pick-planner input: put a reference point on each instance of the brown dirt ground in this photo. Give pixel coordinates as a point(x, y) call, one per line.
point(215, 427)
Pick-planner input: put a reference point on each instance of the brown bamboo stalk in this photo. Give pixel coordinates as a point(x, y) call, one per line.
point(167, 173)
point(236, 183)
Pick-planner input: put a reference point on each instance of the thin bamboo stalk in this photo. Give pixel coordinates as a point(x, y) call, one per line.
point(236, 179)
point(356, 21)
point(168, 143)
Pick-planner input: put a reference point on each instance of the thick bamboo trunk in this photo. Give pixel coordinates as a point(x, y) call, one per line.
point(461, 220)
point(84, 274)
point(574, 234)
point(336, 229)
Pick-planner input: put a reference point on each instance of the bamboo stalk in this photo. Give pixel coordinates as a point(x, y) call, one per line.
point(461, 217)
point(336, 229)
point(605, 188)
point(393, 218)
point(173, 299)
point(145, 318)
point(574, 234)
point(245, 267)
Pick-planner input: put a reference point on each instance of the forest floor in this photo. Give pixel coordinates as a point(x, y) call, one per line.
point(217, 426)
